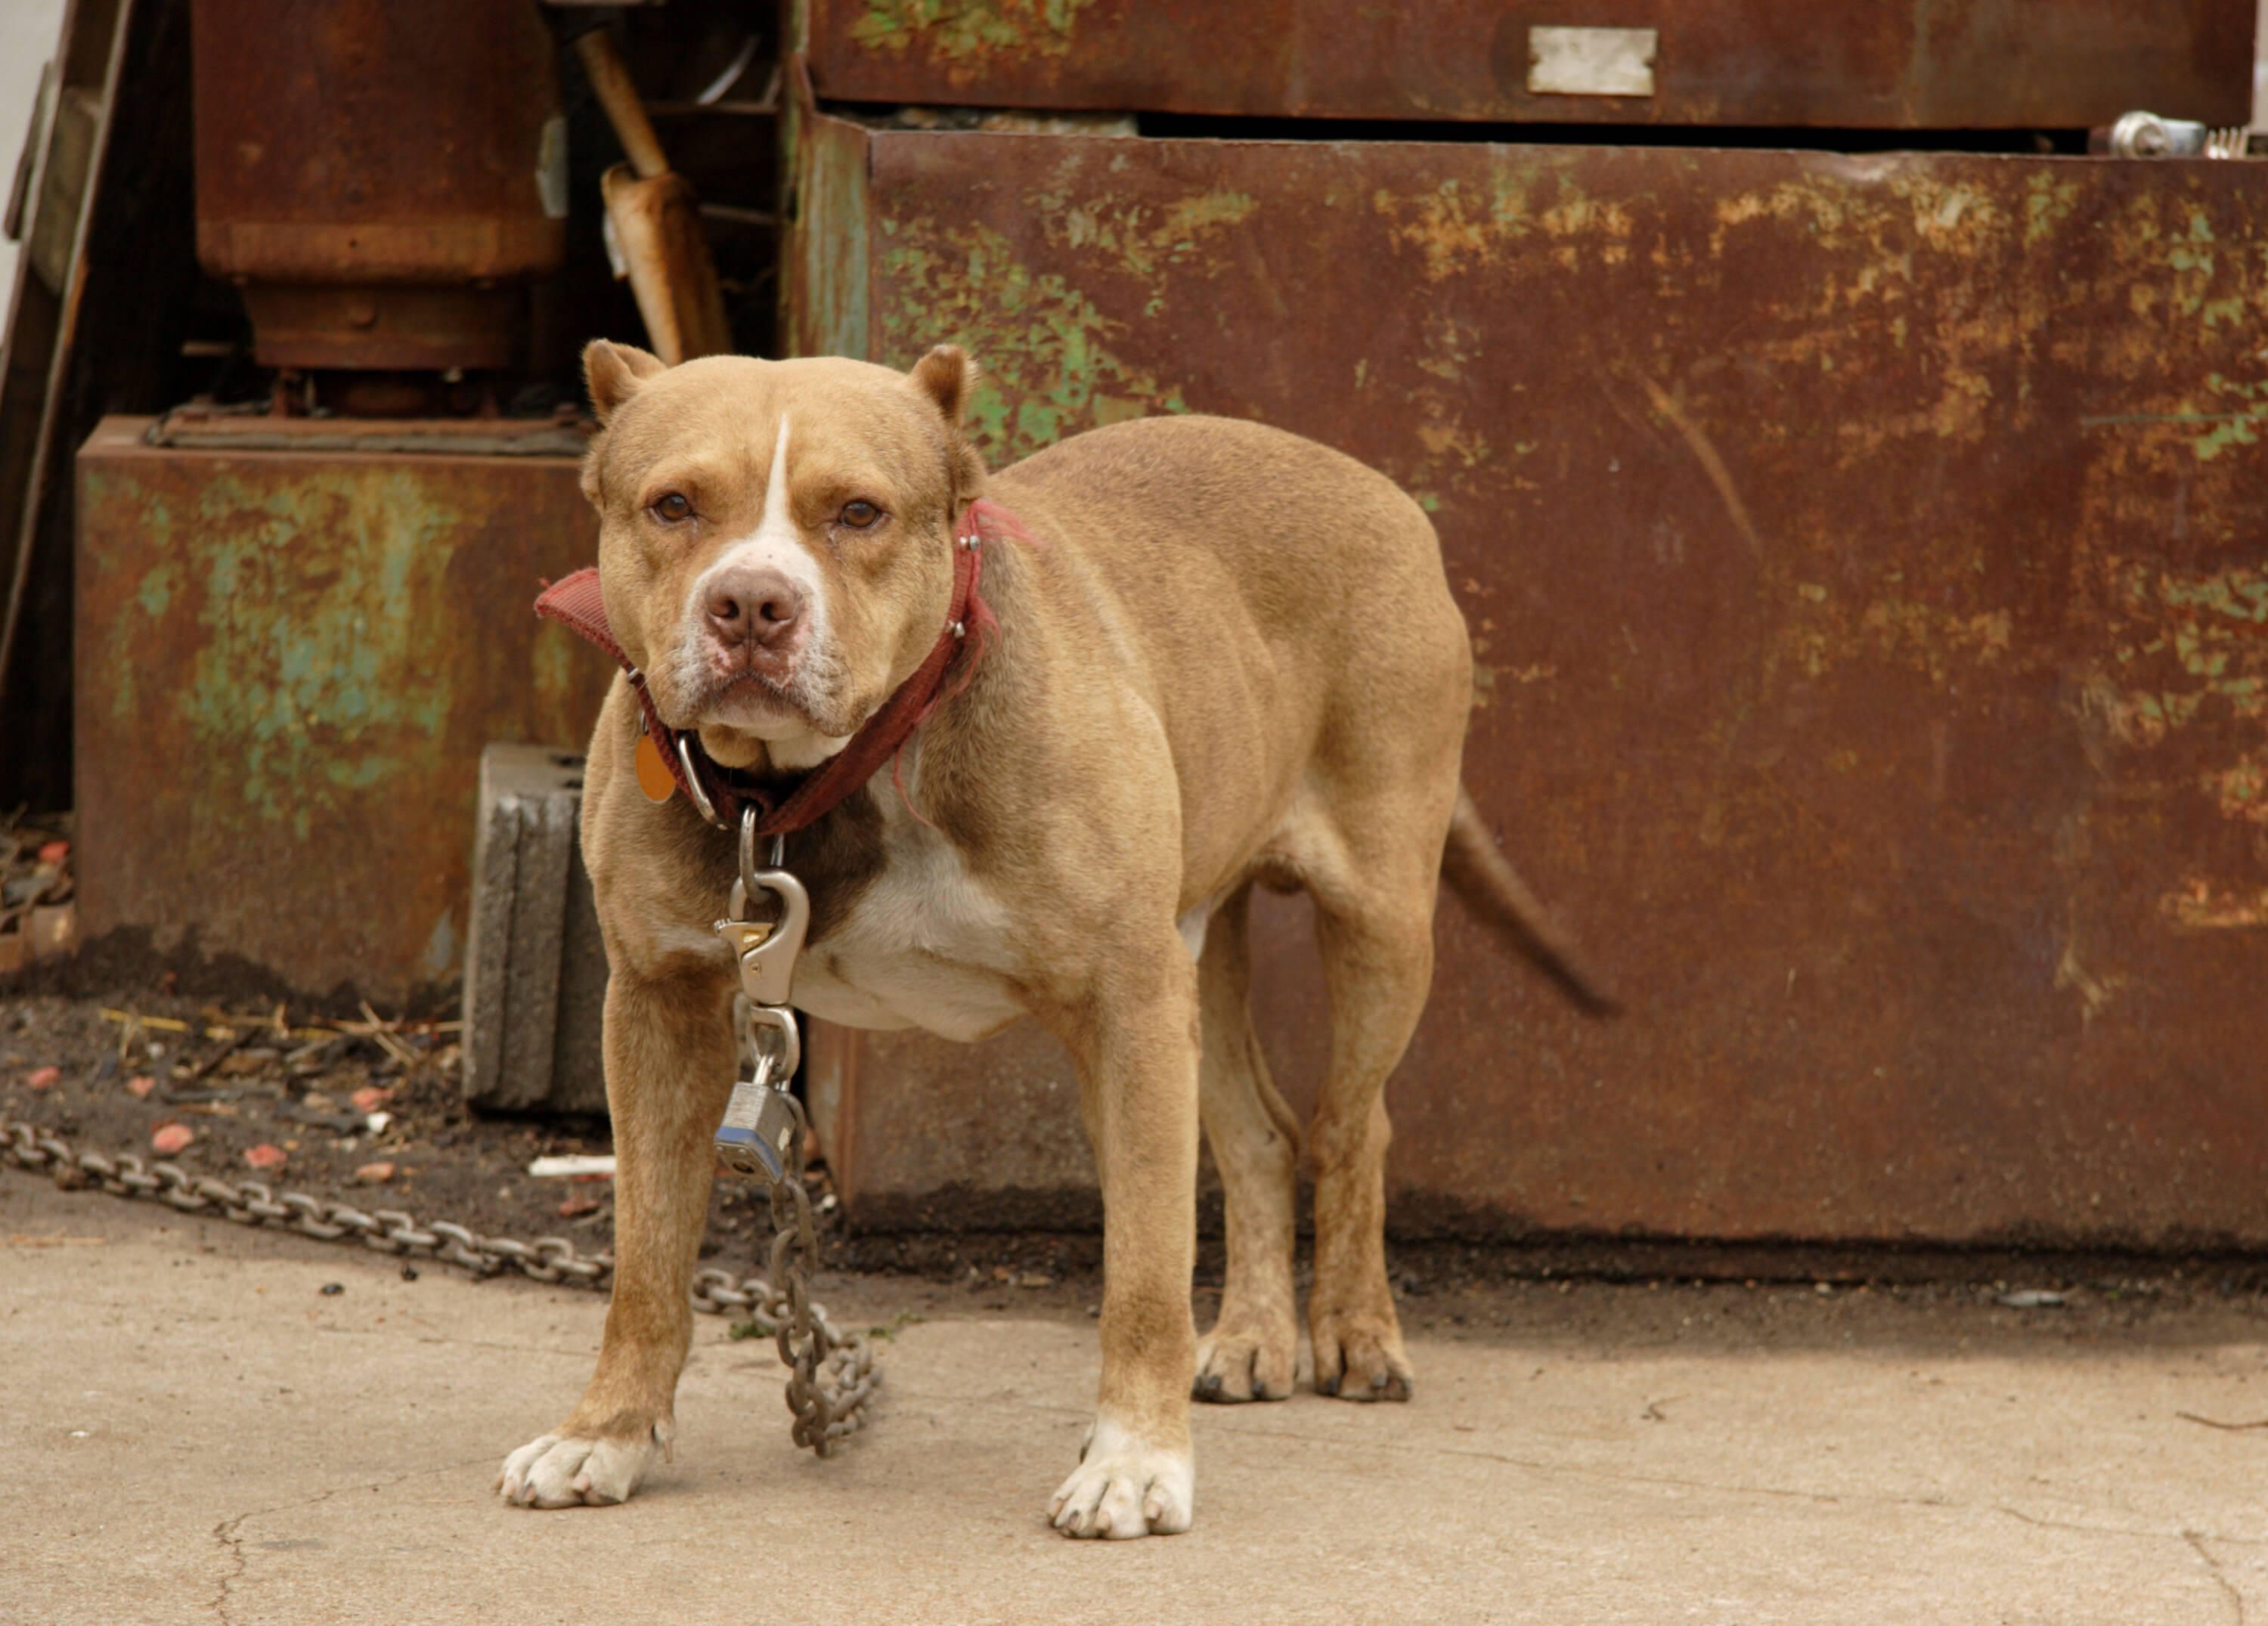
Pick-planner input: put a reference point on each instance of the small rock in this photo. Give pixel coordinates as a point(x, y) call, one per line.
point(141, 1083)
point(1035, 1279)
point(171, 1138)
point(374, 1174)
point(265, 1157)
point(45, 1078)
point(577, 1204)
point(52, 931)
point(409, 1273)
point(2030, 1298)
point(332, 1290)
point(371, 1097)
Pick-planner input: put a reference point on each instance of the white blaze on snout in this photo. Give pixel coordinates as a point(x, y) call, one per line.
point(777, 544)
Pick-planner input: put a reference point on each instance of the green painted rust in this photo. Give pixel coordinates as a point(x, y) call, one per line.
point(288, 664)
point(1044, 345)
point(829, 291)
point(311, 670)
point(969, 32)
point(1144, 239)
point(1870, 616)
point(2246, 402)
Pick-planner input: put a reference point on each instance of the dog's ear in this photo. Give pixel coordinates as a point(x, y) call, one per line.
point(947, 378)
point(613, 372)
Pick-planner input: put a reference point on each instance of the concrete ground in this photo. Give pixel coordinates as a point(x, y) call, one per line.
point(193, 1430)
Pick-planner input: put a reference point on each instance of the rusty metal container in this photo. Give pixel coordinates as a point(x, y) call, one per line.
point(1864, 559)
point(1865, 64)
point(376, 178)
point(288, 663)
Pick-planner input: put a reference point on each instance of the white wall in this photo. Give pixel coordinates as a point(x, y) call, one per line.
point(28, 31)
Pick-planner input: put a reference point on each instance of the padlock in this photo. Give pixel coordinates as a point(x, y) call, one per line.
point(759, 1127)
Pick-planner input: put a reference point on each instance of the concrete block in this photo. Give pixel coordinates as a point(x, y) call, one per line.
point(535, 967)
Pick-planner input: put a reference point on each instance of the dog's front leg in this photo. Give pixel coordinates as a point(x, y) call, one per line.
point(669, 1068)
point(1136, 1044)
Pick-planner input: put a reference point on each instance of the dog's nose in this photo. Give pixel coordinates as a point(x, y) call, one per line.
point(752, 604)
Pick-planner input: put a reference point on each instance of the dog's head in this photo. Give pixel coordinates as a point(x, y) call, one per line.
point(776, 538)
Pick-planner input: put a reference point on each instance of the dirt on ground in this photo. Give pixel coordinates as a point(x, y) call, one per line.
point(370, 1112)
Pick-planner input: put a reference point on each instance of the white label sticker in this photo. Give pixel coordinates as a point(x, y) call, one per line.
point(1591, 62)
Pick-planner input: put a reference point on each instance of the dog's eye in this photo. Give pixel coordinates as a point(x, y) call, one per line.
point(671, 506)
point(861, 515)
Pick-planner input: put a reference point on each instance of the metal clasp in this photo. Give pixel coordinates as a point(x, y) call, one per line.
point(767, 949)
point(761, 1119)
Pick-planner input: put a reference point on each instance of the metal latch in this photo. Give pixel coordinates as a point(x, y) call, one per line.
point(761, 1119)
point(2149, 136)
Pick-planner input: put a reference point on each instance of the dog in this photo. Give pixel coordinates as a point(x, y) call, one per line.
point(1219, 655)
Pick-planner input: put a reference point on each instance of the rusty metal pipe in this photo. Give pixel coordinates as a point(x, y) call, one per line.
point(655, 219)
point(610, 82)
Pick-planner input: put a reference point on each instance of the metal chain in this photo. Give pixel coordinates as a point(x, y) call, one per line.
point(826, 1408)
point(830, 1376)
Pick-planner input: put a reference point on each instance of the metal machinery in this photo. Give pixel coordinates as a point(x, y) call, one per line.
point(1861, 527)
point(295, 633)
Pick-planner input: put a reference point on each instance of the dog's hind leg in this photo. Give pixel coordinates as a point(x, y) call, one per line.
point(1376, 934)
point(1255, 1343)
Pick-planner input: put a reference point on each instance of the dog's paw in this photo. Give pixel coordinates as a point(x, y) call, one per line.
point(1126, 1488)
point(566, 1471)
point(1242, 1360)
point(1361, 1358)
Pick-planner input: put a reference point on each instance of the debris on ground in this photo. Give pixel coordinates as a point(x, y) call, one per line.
point(355, 1102)
point(331, 1105)
point(2029, 1299)
point(39, 919)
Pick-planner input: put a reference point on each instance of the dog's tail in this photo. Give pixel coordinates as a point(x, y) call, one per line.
point(1480, 874)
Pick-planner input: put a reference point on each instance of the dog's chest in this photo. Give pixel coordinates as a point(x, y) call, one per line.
point(923, 946)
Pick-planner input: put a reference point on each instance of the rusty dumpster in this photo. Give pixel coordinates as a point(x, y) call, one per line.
point(1867, 557)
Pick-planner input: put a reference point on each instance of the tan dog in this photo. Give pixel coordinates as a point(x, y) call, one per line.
point(1230, 657)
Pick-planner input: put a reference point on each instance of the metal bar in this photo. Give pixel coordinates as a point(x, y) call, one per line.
point(1854, 64)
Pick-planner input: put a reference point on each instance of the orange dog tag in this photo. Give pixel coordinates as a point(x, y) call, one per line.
point(653, 774)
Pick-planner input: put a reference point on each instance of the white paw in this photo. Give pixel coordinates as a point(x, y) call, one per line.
point(568, 1471)
point(1125, 1488)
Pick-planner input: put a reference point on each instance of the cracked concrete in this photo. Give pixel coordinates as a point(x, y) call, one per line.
point(195, 1431)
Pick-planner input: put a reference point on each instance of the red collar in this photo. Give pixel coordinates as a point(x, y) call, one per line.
point(721, 792)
